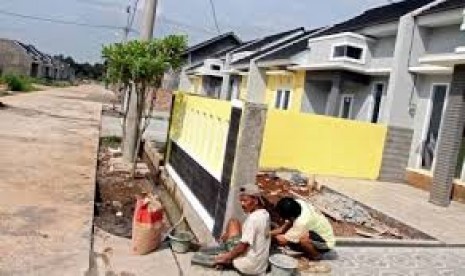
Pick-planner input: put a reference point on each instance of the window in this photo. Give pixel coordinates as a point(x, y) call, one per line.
point(345, 110)
point(215, 67)
point(283, 98)
point(430, 138)
point(348, 51)
point(377, 97)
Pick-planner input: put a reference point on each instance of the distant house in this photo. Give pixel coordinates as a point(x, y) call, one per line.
point(19, 58)
point(202, 72)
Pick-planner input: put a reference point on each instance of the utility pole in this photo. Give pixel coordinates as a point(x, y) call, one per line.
point(148, 22)
point(134, 115)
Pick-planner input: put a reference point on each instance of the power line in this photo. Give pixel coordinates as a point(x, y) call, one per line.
point(179, 24)
point(212, 5)
point(59, 21)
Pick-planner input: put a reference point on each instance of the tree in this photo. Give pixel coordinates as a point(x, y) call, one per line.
point(139, 66)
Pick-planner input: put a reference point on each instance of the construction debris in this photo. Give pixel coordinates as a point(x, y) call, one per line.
point(348, 217)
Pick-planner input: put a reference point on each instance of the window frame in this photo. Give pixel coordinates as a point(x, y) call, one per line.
point(346, 58)
point(341, 105)
point(373, 101)
point(279, 103)
point(426, 122)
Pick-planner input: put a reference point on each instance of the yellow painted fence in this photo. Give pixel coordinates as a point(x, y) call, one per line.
point(322, 145)
point(200, 127)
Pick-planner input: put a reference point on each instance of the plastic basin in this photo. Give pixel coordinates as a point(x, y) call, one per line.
point(181, 241)
point(282, 265)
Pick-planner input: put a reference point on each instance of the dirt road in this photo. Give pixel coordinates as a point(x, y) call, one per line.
point(48, 155)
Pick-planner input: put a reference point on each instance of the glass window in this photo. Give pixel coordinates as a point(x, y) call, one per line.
point(283, 99)
point(354, 52)
point(287, 95)
point(339, 51)
point(435, 120)
point(348, 51)
point(346, 106)
point(279, 94)
point(377, 96)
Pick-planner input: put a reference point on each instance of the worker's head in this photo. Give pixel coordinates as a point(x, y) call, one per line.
point(250, 197)
point(288, 208)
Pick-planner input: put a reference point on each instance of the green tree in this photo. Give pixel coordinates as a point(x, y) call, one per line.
point(139, 66)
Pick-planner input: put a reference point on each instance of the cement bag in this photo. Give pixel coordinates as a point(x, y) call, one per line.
point(147, 225)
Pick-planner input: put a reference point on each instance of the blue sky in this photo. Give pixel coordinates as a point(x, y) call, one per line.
point(248, 18)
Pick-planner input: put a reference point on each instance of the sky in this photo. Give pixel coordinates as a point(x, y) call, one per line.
point(249, 19)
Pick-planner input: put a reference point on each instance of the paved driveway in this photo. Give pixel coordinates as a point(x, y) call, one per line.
point(48, 154)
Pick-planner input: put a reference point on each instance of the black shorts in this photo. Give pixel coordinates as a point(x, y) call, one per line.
point(318, 242)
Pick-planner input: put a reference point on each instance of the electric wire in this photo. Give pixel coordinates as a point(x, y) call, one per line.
point(215, 19)
point(59, 21)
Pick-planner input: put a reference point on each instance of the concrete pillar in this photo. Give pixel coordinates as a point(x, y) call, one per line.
point(335, 92)
point(226, 79)
point(401, 82)
point(397, 112)
point(246, 163)
point(450, 137)
point(256, 86)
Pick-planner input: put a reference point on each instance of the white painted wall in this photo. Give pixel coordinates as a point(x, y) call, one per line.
point(444, 39)
point(382, 52)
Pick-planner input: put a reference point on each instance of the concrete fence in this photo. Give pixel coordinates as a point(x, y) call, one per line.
point(213, 147)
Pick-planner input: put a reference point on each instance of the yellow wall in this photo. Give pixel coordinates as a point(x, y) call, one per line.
point(322, 145)
point(293, 81)
point(200, 126)
point(196, 84)
point(243, 88)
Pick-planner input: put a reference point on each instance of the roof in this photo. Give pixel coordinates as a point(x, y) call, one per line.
point(261, 42)
point(446, 6)
point(213, 40)
point(265, 46)
point(379, 15)
point(223, 52)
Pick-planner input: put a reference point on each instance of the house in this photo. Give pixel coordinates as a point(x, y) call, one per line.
point(434, 72)
point(238, 62)
point(202, 72)
point(19, 58)
point(16, 58)
point(399, 65)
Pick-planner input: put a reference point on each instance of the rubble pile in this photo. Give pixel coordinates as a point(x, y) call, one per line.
point(348, 217)
point(276, 184)
point(347, 209)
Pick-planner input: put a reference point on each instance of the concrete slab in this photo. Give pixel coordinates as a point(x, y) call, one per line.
point(48, 144)
point(406, 204)
point(112, 256)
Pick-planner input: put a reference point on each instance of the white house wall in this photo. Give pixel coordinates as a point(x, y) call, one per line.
point(315, 97)
point(382, 52)
point(444, 39)
point(184, 82)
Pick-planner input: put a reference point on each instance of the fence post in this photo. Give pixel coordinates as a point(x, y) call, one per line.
point(246, 157)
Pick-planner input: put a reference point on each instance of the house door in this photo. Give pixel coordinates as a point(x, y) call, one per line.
point(439, 94)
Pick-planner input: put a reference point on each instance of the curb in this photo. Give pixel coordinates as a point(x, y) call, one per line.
point(349, 242)
point(365, 242)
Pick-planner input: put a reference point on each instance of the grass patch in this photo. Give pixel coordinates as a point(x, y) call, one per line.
point(111, 141)
point(17, 83)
